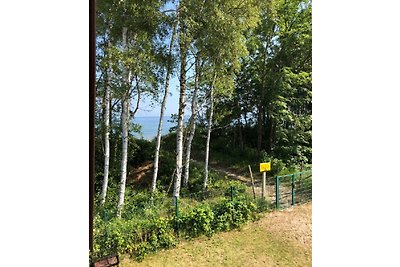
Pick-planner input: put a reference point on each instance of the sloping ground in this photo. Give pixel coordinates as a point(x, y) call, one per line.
point(141, 175)
point(279, 238)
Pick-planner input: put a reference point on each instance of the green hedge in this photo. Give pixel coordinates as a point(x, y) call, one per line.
point(140, 237)
point(133, 237)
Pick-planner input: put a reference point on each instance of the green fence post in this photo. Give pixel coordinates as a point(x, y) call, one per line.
point(232, 195)
point(176, 214)
point(277, 192)
point(292, 189)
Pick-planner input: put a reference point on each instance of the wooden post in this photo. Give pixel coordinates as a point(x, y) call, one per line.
point(263, 193)
point(252, 183)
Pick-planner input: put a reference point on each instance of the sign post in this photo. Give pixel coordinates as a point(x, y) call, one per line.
point(264, 182)
point(264, 167)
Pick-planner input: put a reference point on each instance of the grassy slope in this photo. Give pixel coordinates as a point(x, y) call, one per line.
point(280, 238)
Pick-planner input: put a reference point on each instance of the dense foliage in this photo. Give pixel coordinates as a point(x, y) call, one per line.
point(142, 233)
point(270, 109)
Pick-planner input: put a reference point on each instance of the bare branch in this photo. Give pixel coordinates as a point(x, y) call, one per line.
point(168, 10)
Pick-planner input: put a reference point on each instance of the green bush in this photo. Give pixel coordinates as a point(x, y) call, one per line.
point(238, 187)
point(166, 169)
point(143, 230)
point(196, 174)
point(136, 237)
point(230, 215)
point(222, 216)
point(139, 204)
point(197, 221)
point(140, 150)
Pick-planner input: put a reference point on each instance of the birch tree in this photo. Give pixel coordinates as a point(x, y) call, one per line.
point(184, 41)
point(106, 137)
point(105, 61)
point(210, 120)
point(162, 110)
point(124, 126)
point(139, 23)
point(192, 122)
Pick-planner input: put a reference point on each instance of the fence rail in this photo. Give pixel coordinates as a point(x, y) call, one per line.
point(288, 190)
point(292, 189)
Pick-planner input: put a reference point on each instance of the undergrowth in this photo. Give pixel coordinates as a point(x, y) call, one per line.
point(151, 226)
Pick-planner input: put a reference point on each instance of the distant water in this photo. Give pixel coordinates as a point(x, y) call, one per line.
point(150, 126)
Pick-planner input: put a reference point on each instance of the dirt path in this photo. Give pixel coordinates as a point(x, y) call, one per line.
point(279, 238)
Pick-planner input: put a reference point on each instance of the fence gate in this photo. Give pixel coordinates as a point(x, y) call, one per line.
point(292, 189)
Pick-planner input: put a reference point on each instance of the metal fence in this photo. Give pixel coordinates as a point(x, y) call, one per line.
point(292, 189)
point(282, 191)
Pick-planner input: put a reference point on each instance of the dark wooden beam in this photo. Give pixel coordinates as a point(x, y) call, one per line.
point(92, 99)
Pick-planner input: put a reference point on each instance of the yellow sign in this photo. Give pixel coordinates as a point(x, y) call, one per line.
point(266, 166)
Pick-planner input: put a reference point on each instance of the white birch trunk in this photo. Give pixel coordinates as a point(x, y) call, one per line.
point(192, 126)
point(106, 143)
point(209, 135)
point(179, 131)
point(124, 123)
point(160, 123)
point(188, 150)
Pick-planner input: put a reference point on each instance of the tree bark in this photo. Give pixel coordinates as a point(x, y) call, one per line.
point(160, 123)
point(209, 134)
point(241, 142)
point(106, 139)
point(269, 134)
point(181, 113)
point(192, 126)
point(124, 123)
point(261, 111)
point(259, 129)
point(113, 141)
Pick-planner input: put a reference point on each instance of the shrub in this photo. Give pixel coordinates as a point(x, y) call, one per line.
point(229, 216)
point(197, 221)
point(141, 229)
point(137, 237)
point(140, 150)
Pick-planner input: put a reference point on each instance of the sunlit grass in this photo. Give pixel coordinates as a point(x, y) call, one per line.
point(252, 245)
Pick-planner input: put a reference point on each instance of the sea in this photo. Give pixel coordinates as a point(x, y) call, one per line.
point(149, 126)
